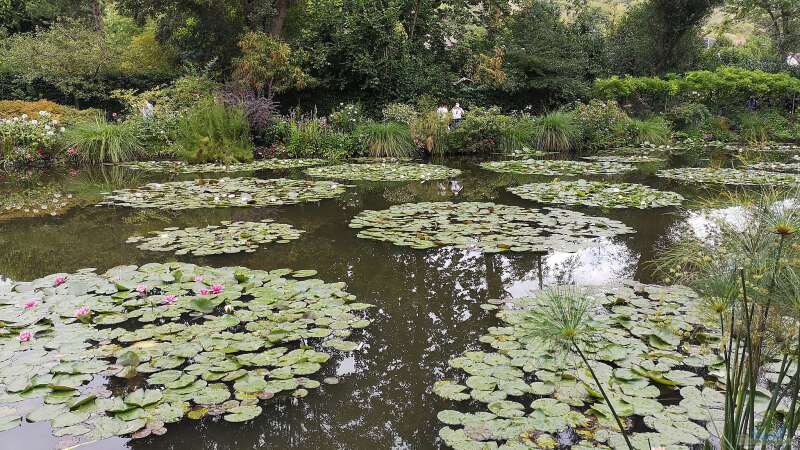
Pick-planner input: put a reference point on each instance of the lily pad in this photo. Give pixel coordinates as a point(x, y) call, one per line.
point(384, 172)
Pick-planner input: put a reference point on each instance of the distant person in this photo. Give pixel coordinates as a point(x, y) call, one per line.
point(752, 104)
point(442, 111)
point(458, 114)
point(148, 109)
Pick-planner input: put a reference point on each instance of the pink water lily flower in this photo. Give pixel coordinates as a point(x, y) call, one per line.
point(169, 299)
point(59, 280)
point(141, 289)
point(217, 288)
point(82, 312)
point(198, 279)
point(204, 291)
point(30, 304)
point(25, 336)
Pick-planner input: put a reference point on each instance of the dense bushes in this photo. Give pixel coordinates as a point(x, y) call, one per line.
point(720, 89)
point(29, 140)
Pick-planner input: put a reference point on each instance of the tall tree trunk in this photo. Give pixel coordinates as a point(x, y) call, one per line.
point(281, 11)
point(97, 15)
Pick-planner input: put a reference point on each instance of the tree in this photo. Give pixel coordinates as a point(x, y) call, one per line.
point(780, 17)
point(67, 55)
point(660, 36)
point(203, 30)
point(266, 62)
point(545, 61)
point(21, 16)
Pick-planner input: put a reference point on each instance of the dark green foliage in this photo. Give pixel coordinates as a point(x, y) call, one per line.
point(212, 132)
point(660, 36)
point(689, 116)
point(545, 62)
point(481, 131)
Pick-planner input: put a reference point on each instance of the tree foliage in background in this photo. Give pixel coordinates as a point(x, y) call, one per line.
point(660, 36)
point(780, 17)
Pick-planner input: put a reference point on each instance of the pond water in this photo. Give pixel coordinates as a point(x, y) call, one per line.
point(428, 301)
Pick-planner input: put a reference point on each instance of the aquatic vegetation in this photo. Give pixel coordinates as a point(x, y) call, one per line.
point(487, 226)
point(384, 172)
point(36, 202)
point(557, 167)
point(597, 193)
point(748, 273)
point(527, 152)
point(262, 164)
point(643, 342)
point(228, 237)
point(729, 176)
point(767, 148)
point(186, 355)
point(626, 159)
point(224, 193)
point(776, 167)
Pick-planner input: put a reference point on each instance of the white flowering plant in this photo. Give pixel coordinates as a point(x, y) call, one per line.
point(28, 140)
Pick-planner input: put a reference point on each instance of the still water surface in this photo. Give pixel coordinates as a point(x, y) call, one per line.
point(428, 301)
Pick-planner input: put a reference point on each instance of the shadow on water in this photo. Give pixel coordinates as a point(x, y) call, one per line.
point(428, 302)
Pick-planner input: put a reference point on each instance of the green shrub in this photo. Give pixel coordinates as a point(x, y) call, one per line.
point(598, 121)
point(30, 140)
point(654, 130)
point(689, 116)
point(557, 132)
point(722, 88)
point(312, 138)
point(99, 140)
point(753, 127)
point(430, 132)
point(212, 132)
point(720, 129)
point(483, 130)
point(347, 117)
point(399, 112)
point(517, 134)
point(390, 139)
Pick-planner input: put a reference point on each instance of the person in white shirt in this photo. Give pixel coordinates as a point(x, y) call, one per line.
point(458, 114)
point(442, 111)
point(148, 110)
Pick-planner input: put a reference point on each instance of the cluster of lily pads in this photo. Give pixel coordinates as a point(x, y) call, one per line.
point(598, 193)
point(35, 202)
point(262, 164)
point(207, 341)
point(558, 167)
point(776, 166)
point(226, 238)
point(628, 159)
point(645, 343)
point(729, 176)
point(767, 148)
point(223, 193)
point(384, 172)
point(487, 226)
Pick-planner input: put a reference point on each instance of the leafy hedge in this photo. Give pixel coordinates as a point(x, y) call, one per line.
point(725, 87)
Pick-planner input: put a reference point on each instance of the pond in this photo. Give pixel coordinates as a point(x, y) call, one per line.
point(427, 300)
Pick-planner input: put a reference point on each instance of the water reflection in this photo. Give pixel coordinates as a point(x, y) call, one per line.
point(428, 302)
